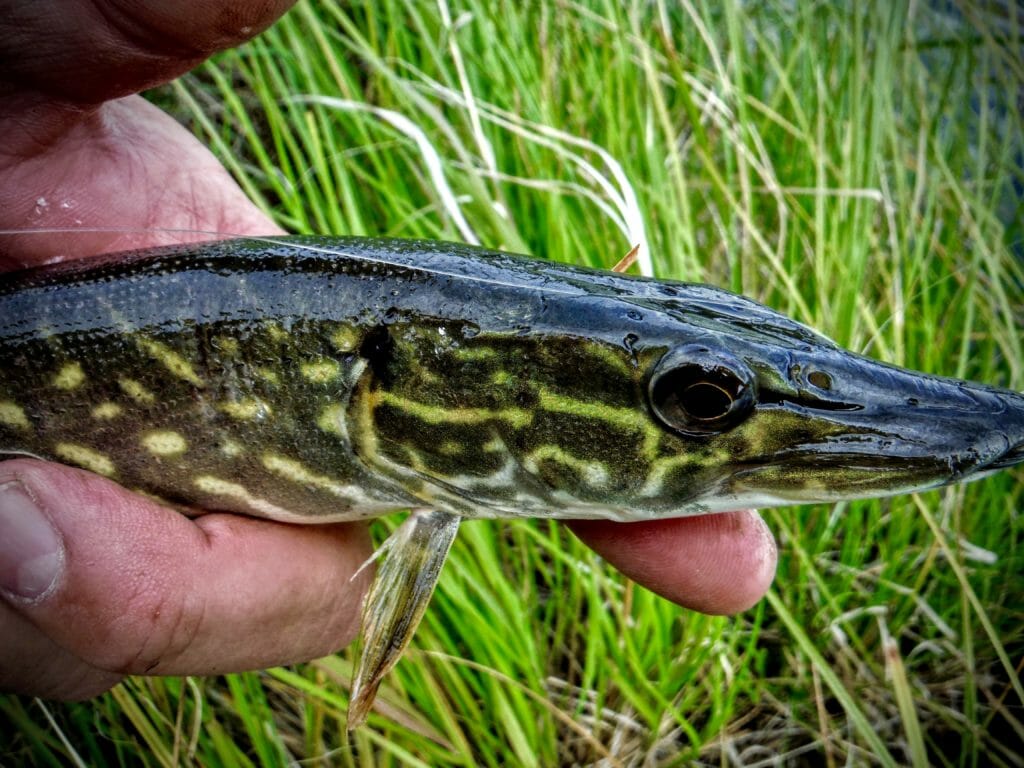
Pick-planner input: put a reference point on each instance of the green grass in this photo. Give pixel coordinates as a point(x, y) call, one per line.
point(860, 170)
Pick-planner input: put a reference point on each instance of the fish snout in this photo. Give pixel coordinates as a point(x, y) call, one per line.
point(1008, 426)
point(975, 427)
point(873, 424)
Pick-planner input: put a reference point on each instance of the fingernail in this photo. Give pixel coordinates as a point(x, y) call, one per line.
point(31, 550)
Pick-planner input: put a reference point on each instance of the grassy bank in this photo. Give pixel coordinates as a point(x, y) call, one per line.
point(858, 168)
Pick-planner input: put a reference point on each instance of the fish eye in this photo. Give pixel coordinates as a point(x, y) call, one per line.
point(698, 390)
point(820, 379)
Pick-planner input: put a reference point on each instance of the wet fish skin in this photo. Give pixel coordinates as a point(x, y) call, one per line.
point(315, 379)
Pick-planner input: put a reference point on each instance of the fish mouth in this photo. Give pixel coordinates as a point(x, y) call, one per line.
point(879, 465)
point(828, 473)
point(876, 453)
point(962, 464)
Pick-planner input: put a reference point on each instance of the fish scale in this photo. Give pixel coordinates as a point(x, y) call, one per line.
point(316, 379)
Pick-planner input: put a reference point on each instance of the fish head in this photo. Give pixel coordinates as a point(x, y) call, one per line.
point(598, 395)
point(774, 413)
point(810, 422)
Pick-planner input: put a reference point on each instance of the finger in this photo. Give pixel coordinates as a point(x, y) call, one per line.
point(72, 162)
point(130, 167)
point(43, 668)
point(85, 52)
point(131, 587)
point(717, 564)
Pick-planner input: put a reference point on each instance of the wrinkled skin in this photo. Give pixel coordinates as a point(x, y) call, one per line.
point(142, 589)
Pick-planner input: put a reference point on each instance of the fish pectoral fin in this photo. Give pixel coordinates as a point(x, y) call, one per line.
point(397, 599)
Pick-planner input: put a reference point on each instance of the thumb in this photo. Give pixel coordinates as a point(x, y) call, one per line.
point(128, 586)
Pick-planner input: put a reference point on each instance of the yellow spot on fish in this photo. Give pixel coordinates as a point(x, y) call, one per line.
point(171, 360)
point(594, 473)
point(614, 359)
point(69, 377)
point(619, 417)
point(164, 442)
point(294, 471)
point(661, 468)
point(450, 448)
point(12, 415)
point(219, 487)
point(345, 339)
point(436, 414)
point(84, 457)
point(227, 345)
point(477, 353)
point(231, 448)
point(500, 378)
point(106, 411)
point(276, 332)
point(332, 420)
point(320, 371)
point(136, 391)
point(269, 375)
point(250, 409)
point(415, 460)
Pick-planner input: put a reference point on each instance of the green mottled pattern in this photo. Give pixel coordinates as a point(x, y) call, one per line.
point(247, 419)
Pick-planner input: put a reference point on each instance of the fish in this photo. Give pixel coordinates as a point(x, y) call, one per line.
point(311, 379)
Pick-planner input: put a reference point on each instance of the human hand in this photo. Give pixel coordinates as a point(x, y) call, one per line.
point(98, 582)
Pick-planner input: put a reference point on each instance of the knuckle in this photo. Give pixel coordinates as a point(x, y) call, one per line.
point(154, 628)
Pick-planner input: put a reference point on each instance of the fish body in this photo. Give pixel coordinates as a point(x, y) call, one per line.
point(314, 380)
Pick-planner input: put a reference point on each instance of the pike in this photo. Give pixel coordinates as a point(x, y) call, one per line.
point(312, 379)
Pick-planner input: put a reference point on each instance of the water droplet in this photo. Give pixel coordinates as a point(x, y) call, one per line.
point(634, 315)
